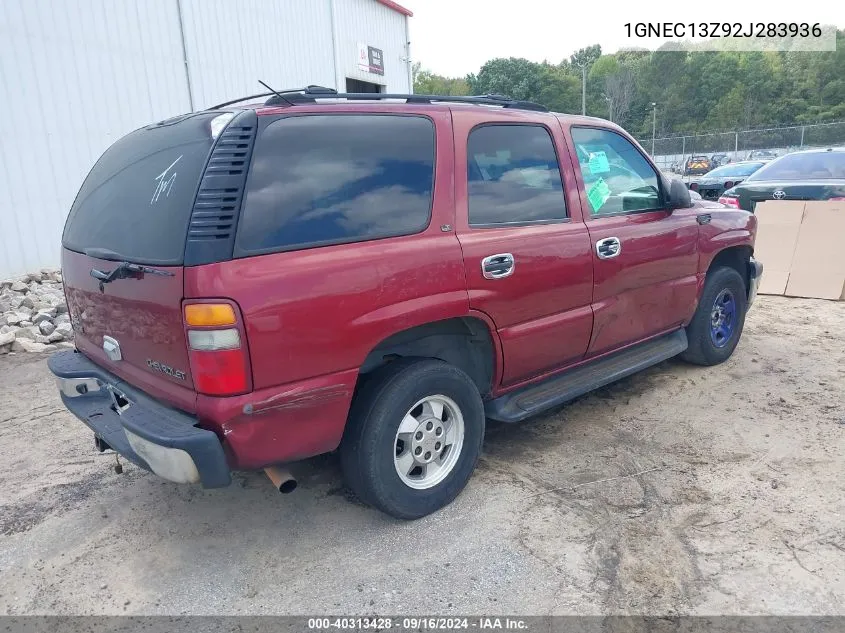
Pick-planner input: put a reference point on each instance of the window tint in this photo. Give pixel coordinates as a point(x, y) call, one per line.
point(513, 175)
point(616, 176)
point(137, 200)
point(328, 179)
point(809, 166)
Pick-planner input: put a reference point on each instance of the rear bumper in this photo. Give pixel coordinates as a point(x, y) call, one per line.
point(755, 273)
point(141, 429)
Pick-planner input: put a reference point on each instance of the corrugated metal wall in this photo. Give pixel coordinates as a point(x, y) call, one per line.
point(380, 27)
point(76, 76)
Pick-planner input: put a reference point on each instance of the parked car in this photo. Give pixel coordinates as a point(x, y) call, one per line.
point(762, 154)
point(817, 174)
point(716, 160)
point(256, 284)
point(697, 165)
point(714, 183)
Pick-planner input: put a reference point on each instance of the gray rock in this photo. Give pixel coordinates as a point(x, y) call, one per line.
point(65, 345)
point(24, 332)
point(35, 286)
point(63, 317)
point(5, 305)
point(25, 345)
point(25, 323)
point(18, 286)
point(7, 338)
point(65, 329)
point(61, 308)
point(6, 328)
point(41, 339)
point(28, 302)
point(46, 327)
point(14, 318)
point(15, 301)
point(55, 337)
point(43, 315)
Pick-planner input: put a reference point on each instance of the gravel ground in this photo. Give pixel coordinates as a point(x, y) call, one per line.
point(725, 495)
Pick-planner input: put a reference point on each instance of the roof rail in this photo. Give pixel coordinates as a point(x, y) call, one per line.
point(310, 90)
point(310, 94)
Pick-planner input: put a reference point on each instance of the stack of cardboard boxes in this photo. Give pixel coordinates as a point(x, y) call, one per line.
point(802, 248)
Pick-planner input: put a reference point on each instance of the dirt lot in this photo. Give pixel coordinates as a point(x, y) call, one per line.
point(739, 507)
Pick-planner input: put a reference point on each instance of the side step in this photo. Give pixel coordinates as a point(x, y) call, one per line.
point(554, 391)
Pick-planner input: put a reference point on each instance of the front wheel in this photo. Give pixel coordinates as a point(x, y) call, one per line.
point(717, 324)
point(413, 438)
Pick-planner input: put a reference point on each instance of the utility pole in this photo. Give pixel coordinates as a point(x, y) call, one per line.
point(653, 125)
point(609, 108)
point(584, 89)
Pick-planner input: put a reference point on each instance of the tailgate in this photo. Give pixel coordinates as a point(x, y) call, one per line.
point(132, 327)
point(142, 318)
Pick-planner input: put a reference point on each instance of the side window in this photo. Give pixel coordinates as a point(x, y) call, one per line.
point(513, 176)
point(616, 176)
point(330, 179)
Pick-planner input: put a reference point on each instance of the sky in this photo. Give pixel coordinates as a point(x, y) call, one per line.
point(455, 37)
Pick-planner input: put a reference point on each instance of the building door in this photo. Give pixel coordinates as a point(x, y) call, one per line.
point(356, 85)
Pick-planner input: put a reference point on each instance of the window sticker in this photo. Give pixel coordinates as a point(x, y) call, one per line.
point(598, 163)
point(598, 194)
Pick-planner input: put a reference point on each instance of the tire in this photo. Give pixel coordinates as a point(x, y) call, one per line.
point(710, 344)
point(372, 451)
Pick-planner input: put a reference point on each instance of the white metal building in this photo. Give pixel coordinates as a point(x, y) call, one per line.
point(76, 75)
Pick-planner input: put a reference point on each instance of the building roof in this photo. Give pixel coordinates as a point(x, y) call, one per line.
point(396, 7)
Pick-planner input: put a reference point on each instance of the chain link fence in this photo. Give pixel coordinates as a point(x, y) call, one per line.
point(671, 152)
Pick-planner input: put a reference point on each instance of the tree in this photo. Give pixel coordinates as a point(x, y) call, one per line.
point(428, 83)
point(696, 91)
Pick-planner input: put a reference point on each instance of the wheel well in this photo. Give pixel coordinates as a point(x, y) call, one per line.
point(735, 257)
point(464, 342)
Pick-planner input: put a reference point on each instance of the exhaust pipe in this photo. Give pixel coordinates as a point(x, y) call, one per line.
point(281, 478)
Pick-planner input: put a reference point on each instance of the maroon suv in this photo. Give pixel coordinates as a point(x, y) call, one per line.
point(254, 285)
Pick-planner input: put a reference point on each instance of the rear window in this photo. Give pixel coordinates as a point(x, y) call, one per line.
point(330, 179)
point(811, 166)
point(137, 199)
point(743, 169)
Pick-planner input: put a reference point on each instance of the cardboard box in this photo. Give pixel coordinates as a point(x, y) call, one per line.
point(818, 263)
point(778, 225)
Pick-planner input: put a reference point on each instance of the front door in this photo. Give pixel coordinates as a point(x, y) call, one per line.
point(645, 255)
point(526, 250)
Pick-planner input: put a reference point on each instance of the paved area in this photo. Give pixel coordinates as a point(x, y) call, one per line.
point(678, 490)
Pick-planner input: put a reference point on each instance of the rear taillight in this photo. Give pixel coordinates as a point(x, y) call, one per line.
point(837, 198)
point(729, 184)
point(730, 202)
point(693, 186)
point(218, 355)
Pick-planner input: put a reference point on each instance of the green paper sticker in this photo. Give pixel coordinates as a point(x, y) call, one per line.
point(598, 194)
point(598, 163)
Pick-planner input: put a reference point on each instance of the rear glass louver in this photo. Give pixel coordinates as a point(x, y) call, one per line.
point(217, 206)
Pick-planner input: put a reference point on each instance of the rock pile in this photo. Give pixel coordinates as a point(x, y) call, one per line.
point(33, 313)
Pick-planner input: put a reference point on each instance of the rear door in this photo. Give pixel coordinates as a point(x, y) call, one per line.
point(526, 250)
point(135, 206)
point(645, 256)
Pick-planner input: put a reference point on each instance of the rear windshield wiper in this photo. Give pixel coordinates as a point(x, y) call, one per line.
point(126, 270)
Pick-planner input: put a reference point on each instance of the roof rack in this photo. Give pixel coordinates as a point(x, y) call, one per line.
point(310, 94)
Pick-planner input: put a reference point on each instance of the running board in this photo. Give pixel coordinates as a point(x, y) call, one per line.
point(561, 388)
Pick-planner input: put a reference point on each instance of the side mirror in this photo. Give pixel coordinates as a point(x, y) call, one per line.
point(679, 195)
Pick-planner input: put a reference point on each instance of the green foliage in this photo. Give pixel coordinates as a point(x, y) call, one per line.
point(694, 91)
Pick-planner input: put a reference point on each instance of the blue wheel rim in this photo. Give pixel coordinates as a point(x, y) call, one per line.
point(723, 318)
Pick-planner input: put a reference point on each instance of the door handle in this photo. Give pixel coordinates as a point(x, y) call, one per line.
point(497, 266)
point(608, 247)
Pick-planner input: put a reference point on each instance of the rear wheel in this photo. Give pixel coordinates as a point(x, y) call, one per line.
point(715, 328)
point(413, 438)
